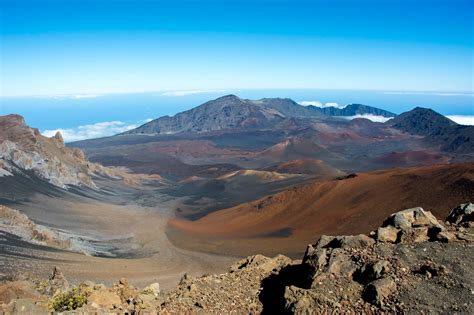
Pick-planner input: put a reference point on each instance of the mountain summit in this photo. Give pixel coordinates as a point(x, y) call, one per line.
point(226, 112)
point(436, 128)
point(232, 112)
point(422, 121)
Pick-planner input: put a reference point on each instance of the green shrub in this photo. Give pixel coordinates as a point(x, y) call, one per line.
point(70, 300)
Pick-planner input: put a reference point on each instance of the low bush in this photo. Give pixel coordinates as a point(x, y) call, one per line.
point(70, 300)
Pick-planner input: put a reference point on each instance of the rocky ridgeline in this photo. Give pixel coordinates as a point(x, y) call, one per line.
point(412, 263)
point(24, 149)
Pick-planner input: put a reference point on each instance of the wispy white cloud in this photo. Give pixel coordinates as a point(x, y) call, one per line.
point(374, 118)
point(69, 96)
point(320, 104)
point(462, 119)
point(468, 94)
point(192, 92)
point(97, 130)
point(79, 96)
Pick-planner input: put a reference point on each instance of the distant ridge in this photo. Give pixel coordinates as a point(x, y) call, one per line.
point(232, 112)
point(352, 110)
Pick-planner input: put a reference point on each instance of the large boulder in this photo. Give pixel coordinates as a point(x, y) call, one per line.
point(330, 255)
point(413, 225)
point(412, 218)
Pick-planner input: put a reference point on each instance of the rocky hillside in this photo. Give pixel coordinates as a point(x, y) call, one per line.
point(412, 263)
point(227, 112)
point(23, 149)
point(436, 128)
point(351, 204)
point(232, 112)
point(16, 223)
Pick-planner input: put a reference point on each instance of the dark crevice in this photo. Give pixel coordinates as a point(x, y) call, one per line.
point(273, 287)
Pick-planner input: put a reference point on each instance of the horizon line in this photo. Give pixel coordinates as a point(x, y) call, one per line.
point(187, 92)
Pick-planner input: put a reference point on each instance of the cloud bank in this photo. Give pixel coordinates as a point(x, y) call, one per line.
point(320, 104)
point(97, 130)
point(459, 119)
point(374, 118)
point(462, 119)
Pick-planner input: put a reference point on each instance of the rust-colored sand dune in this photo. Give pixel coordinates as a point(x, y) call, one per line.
point(297, 216)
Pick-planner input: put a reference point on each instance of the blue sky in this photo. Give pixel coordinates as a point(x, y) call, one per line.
point(67, 47)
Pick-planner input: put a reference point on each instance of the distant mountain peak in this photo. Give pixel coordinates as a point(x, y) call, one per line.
point(232, 112)
point(421, 121)
point(228, 97)
point(437, 129)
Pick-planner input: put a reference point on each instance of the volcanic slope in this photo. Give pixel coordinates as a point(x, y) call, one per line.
point(232, 112)
point(230, 133)
point(349, 205)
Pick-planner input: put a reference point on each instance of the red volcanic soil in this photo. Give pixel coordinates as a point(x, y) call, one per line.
point(307, 166)
point(294, 148)
point(410, 158)
point(287, 221)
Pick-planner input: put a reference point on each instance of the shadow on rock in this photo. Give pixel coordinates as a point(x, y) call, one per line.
point(273, 287)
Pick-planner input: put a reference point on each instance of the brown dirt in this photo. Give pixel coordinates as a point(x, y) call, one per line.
point(350, 206)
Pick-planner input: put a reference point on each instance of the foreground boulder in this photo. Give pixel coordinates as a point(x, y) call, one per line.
point(401, 269)
point(410, 225)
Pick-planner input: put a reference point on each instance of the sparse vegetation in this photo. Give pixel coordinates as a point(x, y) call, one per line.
point(70, 300)
point(147, 291)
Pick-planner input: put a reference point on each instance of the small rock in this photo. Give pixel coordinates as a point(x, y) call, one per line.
point(154, 288)
point(123, 281)
point(341, 265)
point(356, 241)
point(387, 234)
point(379, 291)
point(99, 286)
point(184, 278)
point(350, 241)
point(58, 281)
point(415, 235)
point(445, 237)
point(462, 213)
point(380, 268)
point(465, 237)
point(104, 298)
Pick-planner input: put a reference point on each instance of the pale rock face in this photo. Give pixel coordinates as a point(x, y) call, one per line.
point(52, 169)
point(17, 223)
point(3, 169)
point(24, 149)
